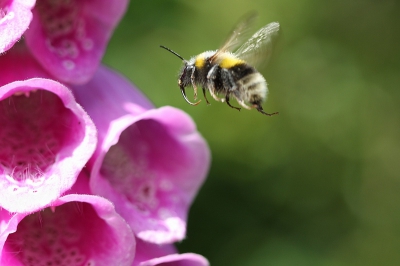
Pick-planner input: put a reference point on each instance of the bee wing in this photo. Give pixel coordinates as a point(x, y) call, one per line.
point(259, 47)
point(237, 36)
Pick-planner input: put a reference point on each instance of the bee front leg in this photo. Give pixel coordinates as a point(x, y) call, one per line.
point(186, 99)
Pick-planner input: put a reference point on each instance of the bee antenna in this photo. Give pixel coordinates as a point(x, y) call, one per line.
point(169, 50)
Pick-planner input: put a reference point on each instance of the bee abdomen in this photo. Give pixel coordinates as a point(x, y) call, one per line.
point(254, 87)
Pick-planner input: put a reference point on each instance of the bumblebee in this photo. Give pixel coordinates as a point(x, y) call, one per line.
point(231, 75)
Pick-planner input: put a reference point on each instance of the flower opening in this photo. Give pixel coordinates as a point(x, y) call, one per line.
point(83, 230)
point(139, 165)
point(46, 139)
point(36, 126)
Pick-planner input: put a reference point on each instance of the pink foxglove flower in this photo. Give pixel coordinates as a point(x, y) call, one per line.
point(19, 64)
point(15, 16)
point(150, 162)
point(69, 37)
point(45, 138)
point(77, 230)
point(148, 254)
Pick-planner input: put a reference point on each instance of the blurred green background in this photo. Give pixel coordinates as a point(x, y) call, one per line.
point(318, 184)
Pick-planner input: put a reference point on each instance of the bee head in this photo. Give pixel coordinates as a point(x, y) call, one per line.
point(184, 79)
point(185, 75)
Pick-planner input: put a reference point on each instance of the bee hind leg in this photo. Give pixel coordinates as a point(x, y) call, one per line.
point(241, 102)
point(227, 101)
point(261, 110)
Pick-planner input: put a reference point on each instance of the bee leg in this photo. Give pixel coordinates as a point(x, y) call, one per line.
point(227, 81)
point(227, 101)
point(193, 84)
point(210, 74)
point(228, 84)
point(240, 101)
point(210, 83)
point(205, 97)
point(186, 99)
point(212, 92)
point(261, 110)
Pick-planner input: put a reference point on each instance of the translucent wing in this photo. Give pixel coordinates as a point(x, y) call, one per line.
point(238, 35)
point(259, 47)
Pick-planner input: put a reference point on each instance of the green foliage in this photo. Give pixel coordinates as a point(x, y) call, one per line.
point(319, 183)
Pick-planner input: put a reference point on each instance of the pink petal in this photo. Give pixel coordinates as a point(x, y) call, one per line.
point(15, 16)
point(19, 64)
point(149, 163)
point(186, 259)
point(46, 139)
point(69, 37)
point(148, 254)
point(82, 230)
point(147, 251)
point(110, 96)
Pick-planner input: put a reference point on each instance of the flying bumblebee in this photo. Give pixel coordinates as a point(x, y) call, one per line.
point(230, 74)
